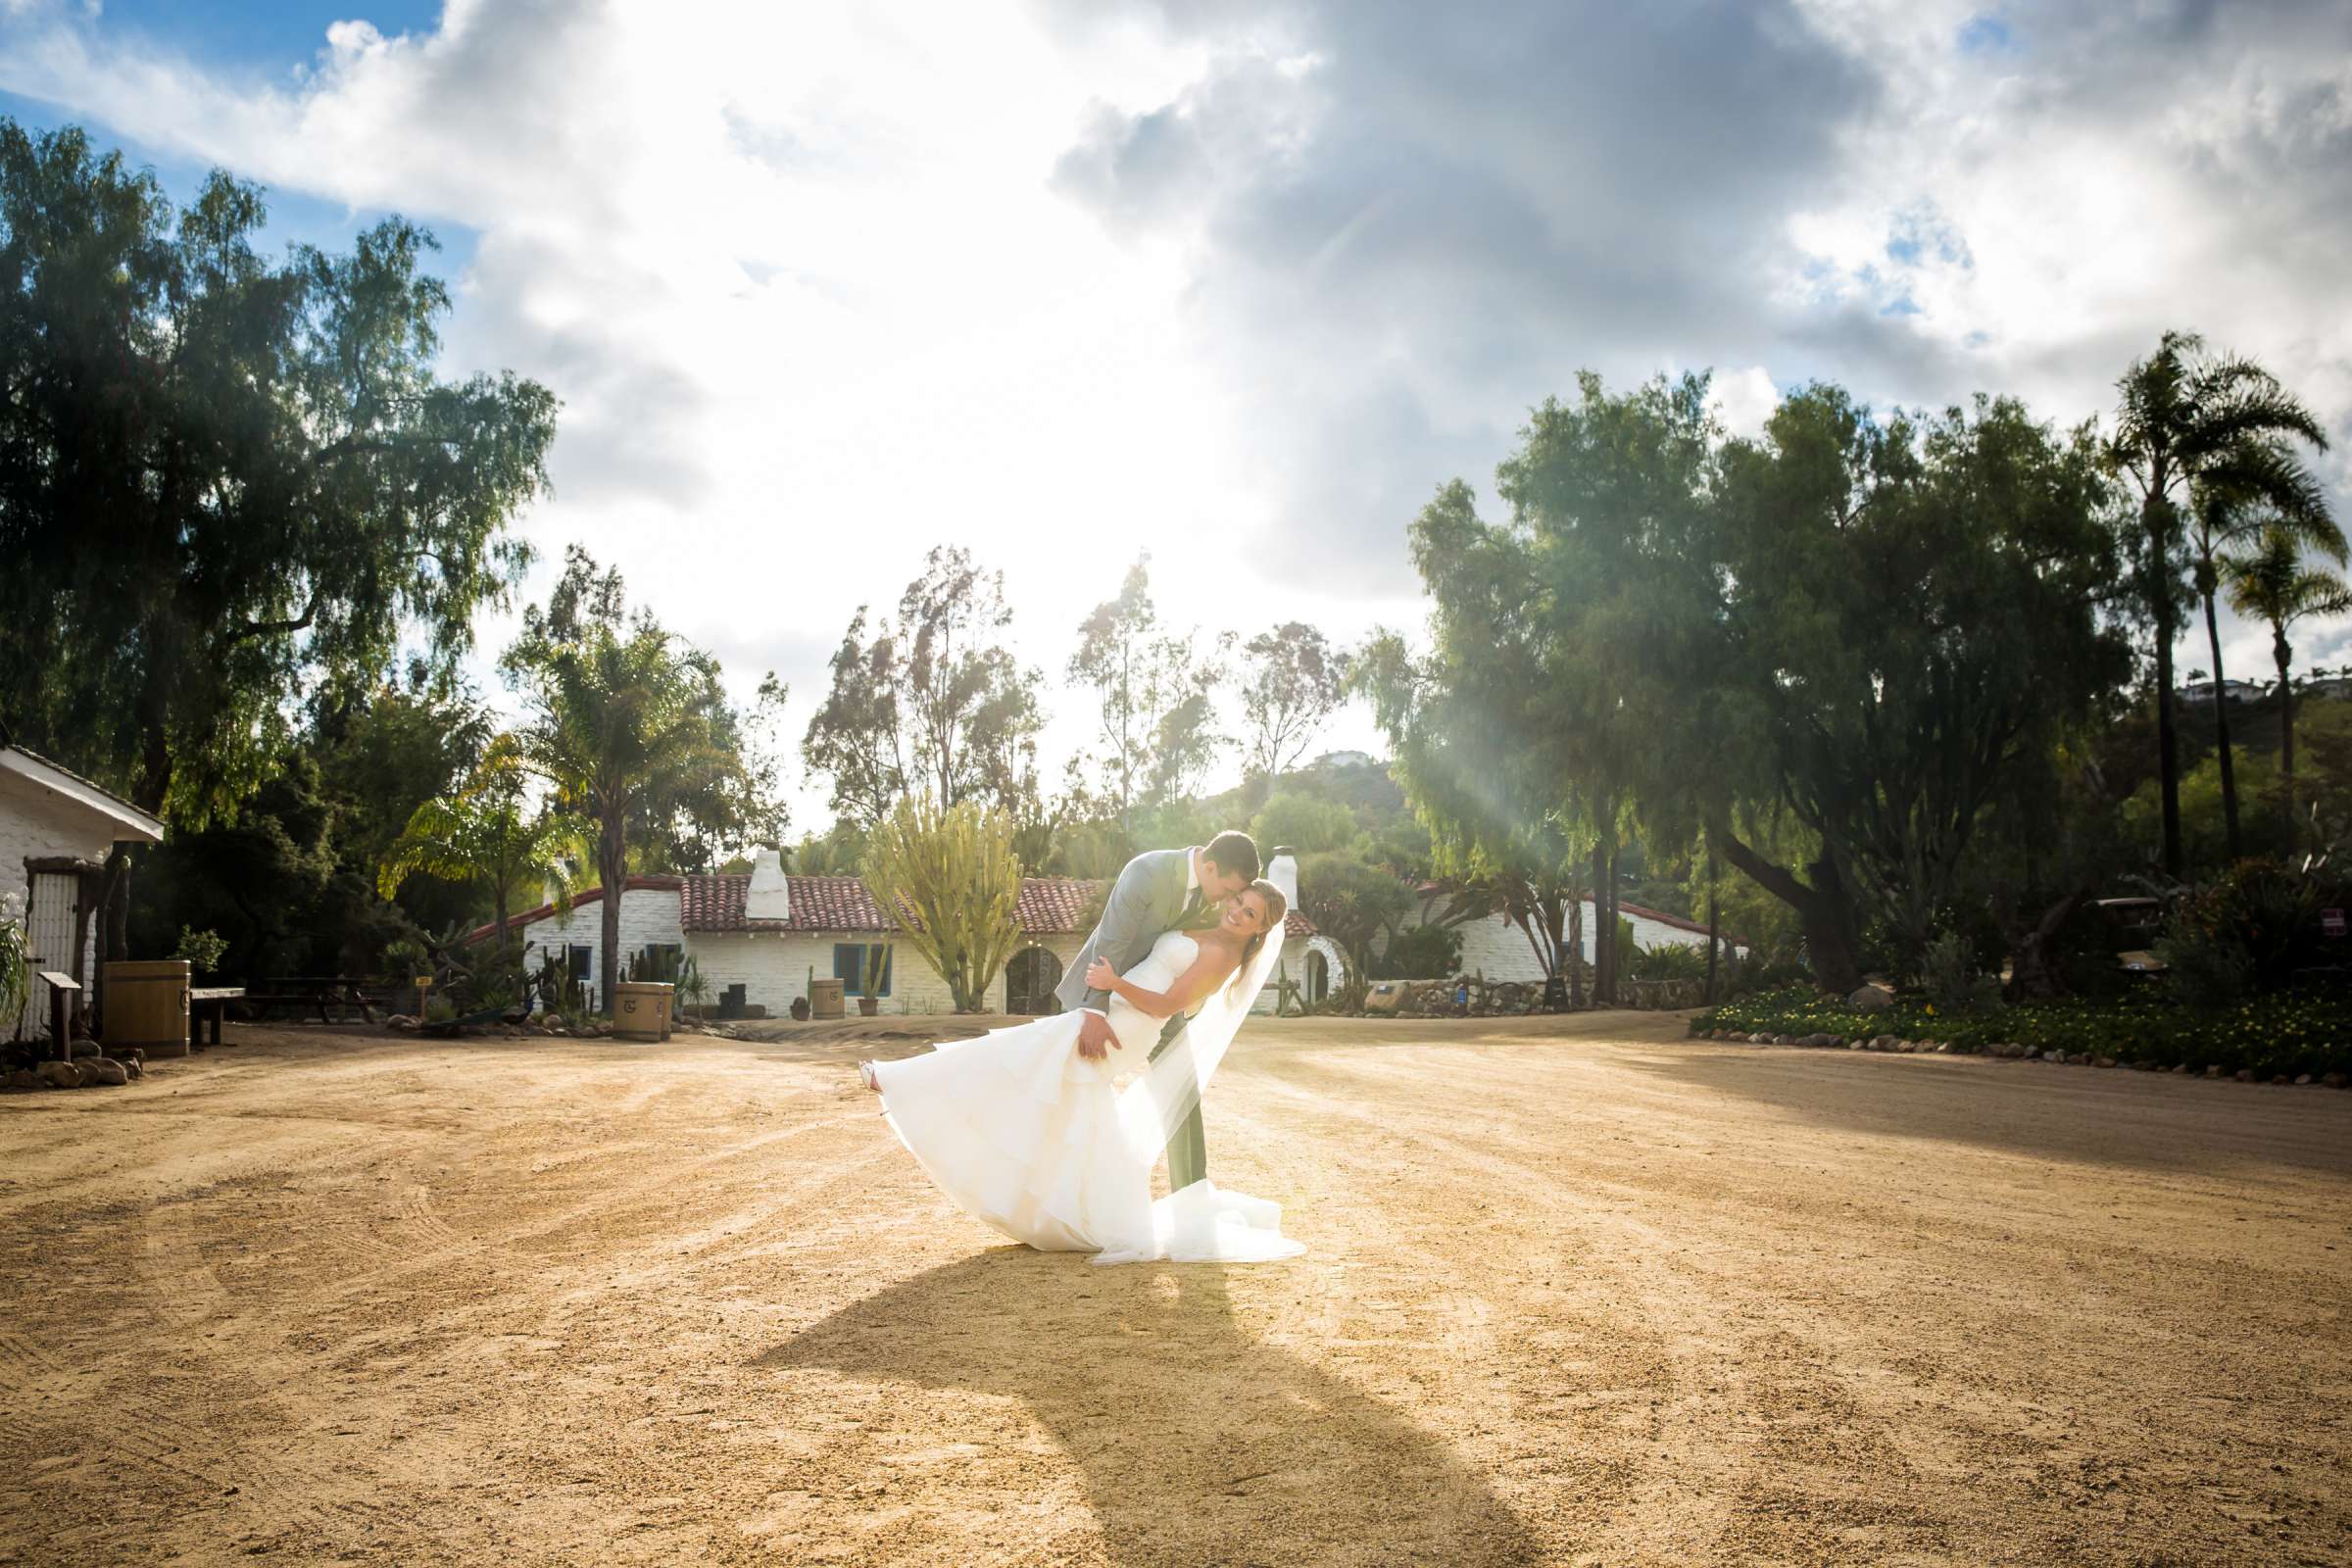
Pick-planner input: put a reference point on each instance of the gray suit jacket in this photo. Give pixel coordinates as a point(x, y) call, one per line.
point(1145, 902)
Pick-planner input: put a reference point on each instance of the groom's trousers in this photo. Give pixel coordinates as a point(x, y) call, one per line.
point(1188, 1150)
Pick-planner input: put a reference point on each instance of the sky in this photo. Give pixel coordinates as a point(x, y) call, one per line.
point(823, 286)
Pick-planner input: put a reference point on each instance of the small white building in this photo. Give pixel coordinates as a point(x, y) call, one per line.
point(56, 830)
point(1493, 947)
point(771, 934)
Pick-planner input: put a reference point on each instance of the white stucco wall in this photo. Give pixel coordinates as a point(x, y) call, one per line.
point(34, 826)
point(647, 916)
point(774, 969)
point(1498, 949)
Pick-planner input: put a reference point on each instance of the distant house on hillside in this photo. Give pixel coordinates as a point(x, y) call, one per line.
point(56, 829)
point(2235, 692)
point(771, 934)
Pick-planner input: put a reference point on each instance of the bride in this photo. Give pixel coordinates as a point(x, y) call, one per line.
point(1057, 1151)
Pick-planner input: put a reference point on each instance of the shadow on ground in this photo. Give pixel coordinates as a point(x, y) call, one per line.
point(1193, 1438)
point(2149, 1121)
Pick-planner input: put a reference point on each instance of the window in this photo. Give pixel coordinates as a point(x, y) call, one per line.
point(579, 964)
point(848, 967)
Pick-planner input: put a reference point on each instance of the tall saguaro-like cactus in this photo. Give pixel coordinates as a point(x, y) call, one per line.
point(951, 880)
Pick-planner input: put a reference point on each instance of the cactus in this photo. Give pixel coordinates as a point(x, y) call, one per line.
point(952, 880)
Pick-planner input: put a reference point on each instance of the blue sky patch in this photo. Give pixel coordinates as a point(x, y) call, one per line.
point(1983, 35)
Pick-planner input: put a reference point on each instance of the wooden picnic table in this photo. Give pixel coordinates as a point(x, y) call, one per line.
point(321, 991)
point(212, 1001)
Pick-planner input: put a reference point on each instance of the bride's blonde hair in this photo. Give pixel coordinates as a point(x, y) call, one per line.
point(1278, 910)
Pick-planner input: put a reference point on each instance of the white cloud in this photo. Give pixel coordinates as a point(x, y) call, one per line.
point(825, 285)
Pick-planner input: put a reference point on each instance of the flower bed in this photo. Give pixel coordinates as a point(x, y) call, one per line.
point(2283, 1034)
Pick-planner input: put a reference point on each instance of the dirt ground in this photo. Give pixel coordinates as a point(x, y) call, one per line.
point(1580, 1292)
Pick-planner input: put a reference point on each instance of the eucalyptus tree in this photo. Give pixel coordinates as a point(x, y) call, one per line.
point(630, 723)
point(2272, 583)
point(1154, 694)
point(931, 700)
point(1293, 683)
point(2192, 418)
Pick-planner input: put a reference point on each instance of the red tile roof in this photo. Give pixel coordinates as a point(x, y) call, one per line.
point(1049, 904)
point(635, 884)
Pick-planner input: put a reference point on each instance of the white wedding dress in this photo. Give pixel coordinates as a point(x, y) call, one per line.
point(1057, 1151)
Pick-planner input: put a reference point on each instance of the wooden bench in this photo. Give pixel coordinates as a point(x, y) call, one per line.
point(209, 1002)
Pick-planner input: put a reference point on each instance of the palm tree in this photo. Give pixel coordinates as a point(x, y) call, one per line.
point(487, 834)
point(2188, 414)
point(625, 723)
point(2272, 584)
point(2254, 487)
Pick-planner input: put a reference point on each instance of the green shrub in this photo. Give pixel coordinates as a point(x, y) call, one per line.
point(204, 950)
point(2248, 932)
point(1668, 960)
point(1951, 978)
point(2289, 1032)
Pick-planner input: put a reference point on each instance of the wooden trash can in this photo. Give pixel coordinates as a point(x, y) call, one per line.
point(640, 1010)
point(825, 999)
point(146, 1003)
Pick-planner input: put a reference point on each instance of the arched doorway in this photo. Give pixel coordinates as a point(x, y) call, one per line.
point(1318, 978)
point(1029, 981)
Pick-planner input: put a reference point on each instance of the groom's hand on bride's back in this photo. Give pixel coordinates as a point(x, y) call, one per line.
point(1094, 1033)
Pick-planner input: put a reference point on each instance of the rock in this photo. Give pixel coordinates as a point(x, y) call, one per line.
point(2213, 1071)
point(59, 1074)
point(135, 1065)
point(85, 1048)
point(1870, 999)
point(1824, 1042)
point(400, 1020)
point(1943, 1047)
point(1759, 1040)
point(2102, 1061)
point(2279, 1080)
point(1882, 1042)
point(2301, 1079)
point(2245, 1075)
point(22, 1078)
point(2333, 1080)
point(2137, 1065)
point(1857, 1045)
point(1784, 1040)
point(110, 1071)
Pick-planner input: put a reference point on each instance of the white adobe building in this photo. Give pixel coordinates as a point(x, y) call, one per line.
point(1493, 947)
point(56, 830)
point(771, 934)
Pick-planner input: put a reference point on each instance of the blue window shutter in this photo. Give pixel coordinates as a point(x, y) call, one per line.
point(849, 959)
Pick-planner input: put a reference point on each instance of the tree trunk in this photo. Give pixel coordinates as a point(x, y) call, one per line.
point(1604, 935)
point(2221, 730)
point(2155, 517)
point(2283, 656)
point(1714, 928)
point(1824, 910)
point(1575, 950)
point(612, 861)
point(2032, 973)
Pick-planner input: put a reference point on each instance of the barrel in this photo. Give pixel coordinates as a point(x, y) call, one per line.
point(825, 999)
point(146, 1004)
point(639, 1010)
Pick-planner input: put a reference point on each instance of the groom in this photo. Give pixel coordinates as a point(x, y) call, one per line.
point(1160, 890)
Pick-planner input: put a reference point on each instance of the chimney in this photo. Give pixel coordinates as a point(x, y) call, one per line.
point(770, 895)
point(1283, 871)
